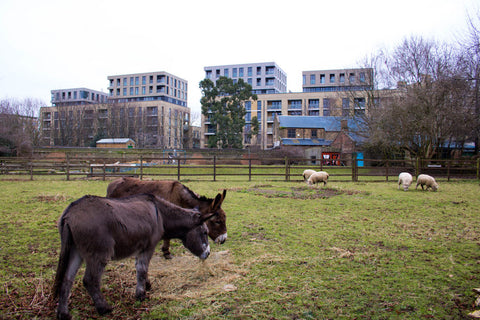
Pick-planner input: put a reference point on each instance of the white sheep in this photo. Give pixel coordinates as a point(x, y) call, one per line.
point(405, 179)
point(428, 181)
point(316, 177)
point(307, 173)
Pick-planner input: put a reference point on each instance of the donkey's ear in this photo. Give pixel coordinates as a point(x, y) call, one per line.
point(217, 202)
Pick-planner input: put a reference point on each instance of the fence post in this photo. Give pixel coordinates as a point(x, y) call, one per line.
point(68, 167)
point(141, 167)
point(214, 168)
point(417, 167)
point(478, 168)
point(354, 164)
point(386, 171)
point(286, 169)
point(249, 169)
point(448, 170)
point(178, 169)
point(104, 169)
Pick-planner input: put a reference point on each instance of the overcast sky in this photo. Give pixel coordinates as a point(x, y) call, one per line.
point(62, 44)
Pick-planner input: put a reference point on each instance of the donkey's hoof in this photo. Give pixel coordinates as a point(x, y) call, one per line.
point(167, 256)
point(64, 316)
point(148, 285)
point(141, 296)
point(104, 310)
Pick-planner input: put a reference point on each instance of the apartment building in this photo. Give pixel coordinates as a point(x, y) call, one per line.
point(337, 80)
point(77, 96)
point(150, 108)
point(265, 78)
point(341, 99)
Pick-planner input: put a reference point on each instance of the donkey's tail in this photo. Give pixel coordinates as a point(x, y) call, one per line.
point(63, 261)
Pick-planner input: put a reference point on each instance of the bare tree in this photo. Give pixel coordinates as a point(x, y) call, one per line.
point(19, 126)
point(425, 111)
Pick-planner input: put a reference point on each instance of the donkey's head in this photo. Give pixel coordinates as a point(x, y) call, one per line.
point(196, 239)
point(217, 223)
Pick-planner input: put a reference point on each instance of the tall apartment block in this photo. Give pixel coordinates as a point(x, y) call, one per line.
point(77, 96)
point(265, 78)
point(150, 108)
point(337, 80)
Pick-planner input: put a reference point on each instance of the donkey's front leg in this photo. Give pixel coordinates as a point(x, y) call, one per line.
point(141, 264)
point(91, 281)
point(166, 249)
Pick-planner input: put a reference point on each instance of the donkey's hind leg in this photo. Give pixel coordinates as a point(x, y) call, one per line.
point(91, 280)
point(166, 249)
point(74, 263)
point(141, 264)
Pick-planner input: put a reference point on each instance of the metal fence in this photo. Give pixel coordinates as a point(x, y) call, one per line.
point(217, 168)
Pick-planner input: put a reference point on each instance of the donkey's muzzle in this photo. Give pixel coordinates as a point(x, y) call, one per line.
point(205, 253)
point(221, 238)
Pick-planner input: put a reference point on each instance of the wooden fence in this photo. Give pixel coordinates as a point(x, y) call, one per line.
point(217, 167)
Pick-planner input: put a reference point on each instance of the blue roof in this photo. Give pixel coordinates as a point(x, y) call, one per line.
point(306, 142)
point(314, 122)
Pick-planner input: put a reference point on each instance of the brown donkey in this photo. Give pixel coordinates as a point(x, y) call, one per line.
point(95, 230)
point(179, 194)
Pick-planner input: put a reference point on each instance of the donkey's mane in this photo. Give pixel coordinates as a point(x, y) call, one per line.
point(195, 196)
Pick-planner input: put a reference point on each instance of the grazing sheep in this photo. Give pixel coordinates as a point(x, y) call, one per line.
point(307, 173)
point(428, 181)
point(405, 179)
point(316, 177)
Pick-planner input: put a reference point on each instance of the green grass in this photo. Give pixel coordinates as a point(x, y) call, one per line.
point(346, 251)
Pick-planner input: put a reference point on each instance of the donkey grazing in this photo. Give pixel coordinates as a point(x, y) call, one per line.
point(179, 194)
point(97, 230)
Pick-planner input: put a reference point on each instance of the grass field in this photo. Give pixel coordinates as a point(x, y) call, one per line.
point(361, 250)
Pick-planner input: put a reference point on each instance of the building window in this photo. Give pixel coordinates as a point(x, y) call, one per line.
point(291, 133)
point(131, 81)
point(351, 77)
point(248, 105)
point(270, 70)
point(304, 79)
point(259, 82)
point(313, 103)
point(249, 72)
point(314, 133)
point(234, 72)
point(326, 107)
point(312, 79)
point(240, 72)
point(249, 81)
point(294, 104)
point(144, 80)
point(345, 107)
point(259, 71)
point(359, 106)
point(342, 78)
point(217, 73)
point(362, 76)
point(259, 105)
point(208, 74)
point(332, 78)
point(225, 72)
point(322, 78)
point(124, 92)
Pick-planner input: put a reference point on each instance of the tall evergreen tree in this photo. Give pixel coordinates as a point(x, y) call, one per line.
point(223, 105)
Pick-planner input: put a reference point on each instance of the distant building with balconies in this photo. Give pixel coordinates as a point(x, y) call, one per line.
point(149, 108)
point(265, 78)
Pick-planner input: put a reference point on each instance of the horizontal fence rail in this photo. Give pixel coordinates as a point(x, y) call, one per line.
point(251, 168)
